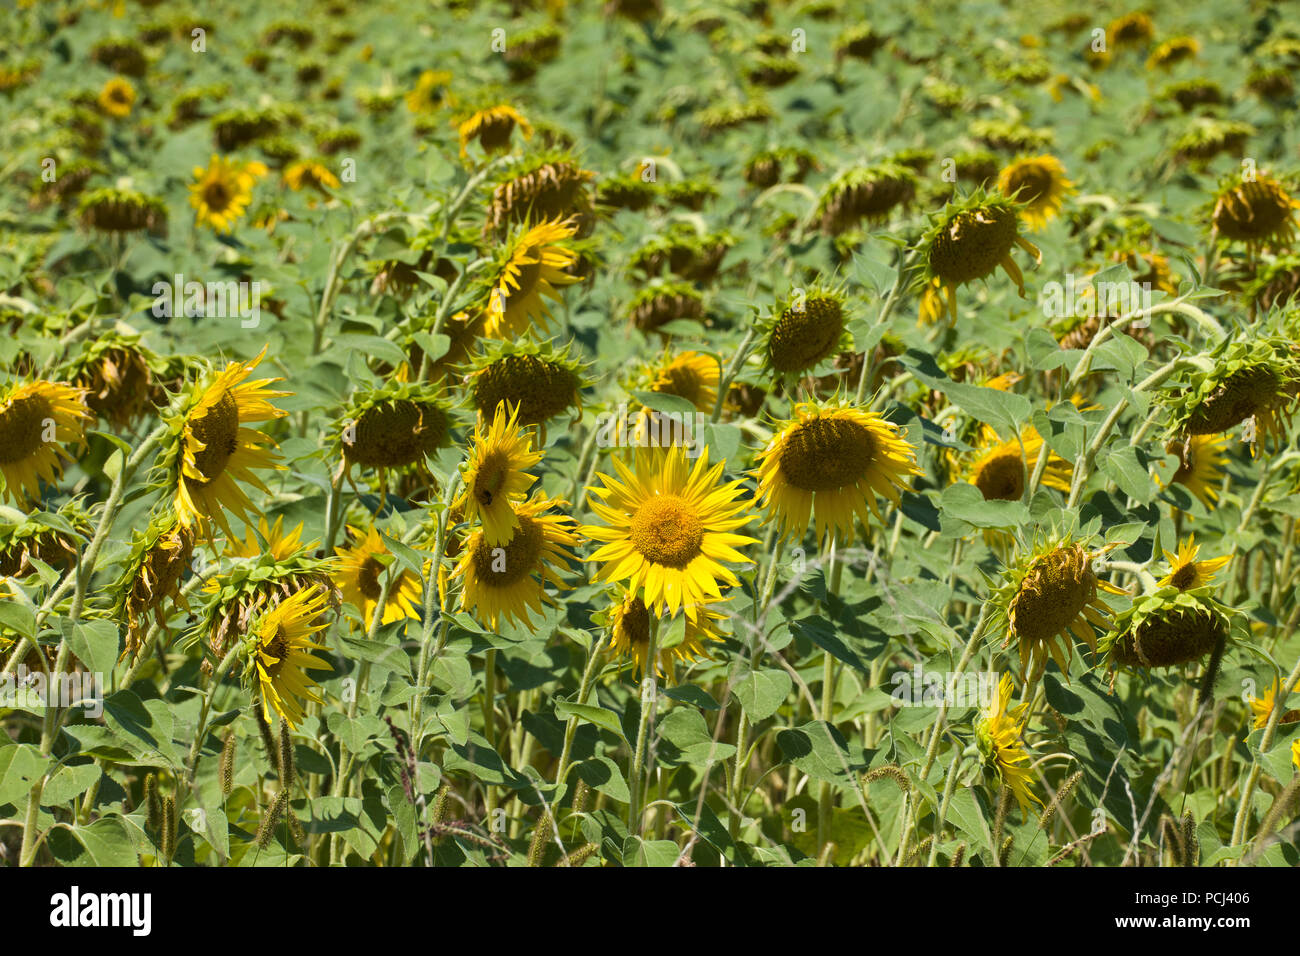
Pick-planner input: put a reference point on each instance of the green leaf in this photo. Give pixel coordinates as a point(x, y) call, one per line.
point(600, 716)
point(94, 642)
point(761, 693)
point(965, 502)
point(107, 843)
point(21, 765)
point(685, 739)
point(639, 852)
point(68, 783)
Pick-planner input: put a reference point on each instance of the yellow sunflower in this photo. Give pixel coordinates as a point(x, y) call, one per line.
point(533, 267)
point(495, 477)
point(269, 539)
point(359, 575)
point(506, 581)
point(668, 528)
point(629, 621)
point(36, 420)
point(218, 450)
point(281, 653)
point(1000, 473)
point(1201, 465)
point(1039, 183)
point(223, 191)
point(430, 91)
point(997, 735)
point(830, 463)
point(492, 128)
point(693, 376)
point(117, 97)
point(1263, 707)
point(307, 173)
point(1185, 572)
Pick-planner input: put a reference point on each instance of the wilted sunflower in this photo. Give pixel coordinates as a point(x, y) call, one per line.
point(1185, 572)
point(159, 558)
point(538, 380)
point(531, 267)
point(1165, 628)
point(215, 449)
point(494, 475)
point(222, 191)
point(1249, 380)
point(1038, 183)
point(359, 573)
point(997, 734)
point(668, 528)
point(1130, 30)
point(1001, 473)
point(279, 649)
point(504, 582)
point(662, 302)
point(52, 538)
point(970, 240)
point(1048, 597)
point(1263, 707)
point(1173, 51)
point(307, 173)
point(1201, 466)
point(117, 97)
point(629, 624)
point(1260, 213)
point(805, 330)
point(541, 187)
point(122, 210)
point(491, 127)
point(37, 419)
point(117, 375)
point(869, 193)
point(829, 463)
point(1208, 136)
point(396, 425)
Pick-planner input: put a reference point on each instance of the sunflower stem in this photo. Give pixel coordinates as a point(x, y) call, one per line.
point(649, 699)
point(1239, 825)
point(824, 798)
point(729, 373)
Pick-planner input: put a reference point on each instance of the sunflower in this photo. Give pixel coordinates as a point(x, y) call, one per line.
point(1039, 184)
point(969, 242)
point(492, 128)
point(506, 581)
point(117, 97)
point(1165, 628)
point(1047, 596)
point(662, 302)
point(36, 420)
point(115, 210)
point(1248, 380)
point(668, 527)
point(1173, 51)
point(1207, 136)
point(53, 538)
point(1263, 707)
point(870, 193)
point(359, 573)
point(693, 376)
point(532, 267)
point(430, 92)
point(997, 734)
point(1201, 466)
point(1130, 30)
point(270, 540)
point(494, 475)
point(280, 654)
point(1259, 213)
point(804, 331)
point(538, 188)
point(1001, 472)
point(831, 462)
point(1185, 572)
point(629, 623)
point(396, 425)
point(116, 374)
point(222, 192)
point(307, 173)
point(537, 380)
point(159, 559)
point(217, 449)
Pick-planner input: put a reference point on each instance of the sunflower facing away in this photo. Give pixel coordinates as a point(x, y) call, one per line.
point(280, 653)
point(222, 191)
point(504, 582)
point(218, 449)
point(997, 734)
point(1185, 572)
point(629, 621)
point(1259, 213)
point(1039, 183)
point(668, 528)
point(494, 475)
point(1001, 474)
point(532, 269)
point(1166, 628)
point(492, 128)
point(36, 420)
point(829, 463)
point(1201, 466)
point(360, 573)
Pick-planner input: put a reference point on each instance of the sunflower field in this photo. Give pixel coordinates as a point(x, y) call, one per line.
point(649, 433)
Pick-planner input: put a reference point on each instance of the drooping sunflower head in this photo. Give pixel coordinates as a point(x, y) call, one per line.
point(630, 621)
point(541, 381)
point(152, 575)
point(117, 374)
point(1201, 465)
point(1185, 572)
point(1130, 30)
point(864, 192)
point(280, 652)
point(53, 538)
point(495, 475)
point(116, 210)
point(214, 449)
point(38, 420)
point(829, 463)
point(768, 167)
point(804, 330)
point(232, 129)
point(684, 251)
point(1001, 469)
point(1173, 51)
point(661, 302)
point(1038, 183)
point(505, 582)
point(1207, 136)
point(1165, 628)
point(1049, 595)
point(396, 425)
point(221, 193)
point(1276, 284)
point(1259, 213)
point(668, 528)
point(998, 736)
point(530, 268)
point(491, 128)
point(117, 97)
point(541, 187)
point(359, 575)
point(970, 239)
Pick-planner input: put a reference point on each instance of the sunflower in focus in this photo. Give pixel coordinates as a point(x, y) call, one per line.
point(280, 647)
point(1251, 383)
point(997, 734)
point(804, 331)
point(1001, 472)
point(495, 476)
point(668, 528)
point(1166, 628)
point(503, 583)
point(223, 191)
point(532, 267)
point(270, 539)
point(630, 622)
point(1263, 707)
point(159, 559)
point(359, 574)
point(539, 382)
point(491, 127)
point(1202, 463)
point(693, 376)
point(37, 419)
point(216, 449)
point(1185, 572)
point(829, 463)
point(1039, 184)
point(117, 97)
